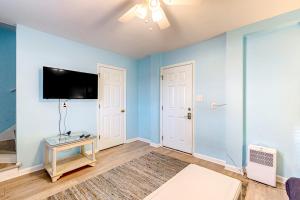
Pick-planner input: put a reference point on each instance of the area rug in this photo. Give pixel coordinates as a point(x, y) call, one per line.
point(133, 180)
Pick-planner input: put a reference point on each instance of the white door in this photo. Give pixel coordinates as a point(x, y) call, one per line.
point(112, 107)
point(177, 113)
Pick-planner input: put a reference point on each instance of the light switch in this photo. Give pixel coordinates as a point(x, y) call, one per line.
point(199, 98)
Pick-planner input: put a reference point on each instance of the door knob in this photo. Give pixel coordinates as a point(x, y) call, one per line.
point(122, 110)
point(189, 116)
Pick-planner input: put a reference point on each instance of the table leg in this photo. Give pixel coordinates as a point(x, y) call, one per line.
point(46, 157)
point(93, 150)
point(82, 149)
point(93, 157)
point(53, 162)
point(54, 178)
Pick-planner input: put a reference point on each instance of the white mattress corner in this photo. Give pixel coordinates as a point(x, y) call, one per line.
point(195, 182)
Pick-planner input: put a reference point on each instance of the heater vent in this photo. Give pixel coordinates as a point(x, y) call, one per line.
point(262, 158)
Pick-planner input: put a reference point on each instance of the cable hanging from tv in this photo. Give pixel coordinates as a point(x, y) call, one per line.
point(65, 133)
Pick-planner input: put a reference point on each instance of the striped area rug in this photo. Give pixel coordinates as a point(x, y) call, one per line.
point(131, 181)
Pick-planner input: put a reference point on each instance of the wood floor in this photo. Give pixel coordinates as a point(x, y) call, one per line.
point(38, 185)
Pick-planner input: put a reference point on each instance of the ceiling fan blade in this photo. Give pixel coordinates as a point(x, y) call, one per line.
point(129, 15)
point(181, 2)
point(164, 22)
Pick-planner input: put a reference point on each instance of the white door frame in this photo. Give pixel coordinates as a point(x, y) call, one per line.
point(193, 63)
point(99, 66)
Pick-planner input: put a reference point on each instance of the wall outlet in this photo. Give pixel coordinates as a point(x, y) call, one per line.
point(64, 105)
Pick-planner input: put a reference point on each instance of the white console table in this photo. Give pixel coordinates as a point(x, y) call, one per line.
point(54, 145)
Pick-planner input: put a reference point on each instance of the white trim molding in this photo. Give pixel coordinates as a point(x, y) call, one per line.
point(144, 140)
point(152, 144)
point(179, 64)
point(131, 140)
point(16, 172)
point(234, 169)
point(210, 159)
point(28, 170)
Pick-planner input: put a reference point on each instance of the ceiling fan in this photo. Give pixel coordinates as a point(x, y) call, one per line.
point(153, 9)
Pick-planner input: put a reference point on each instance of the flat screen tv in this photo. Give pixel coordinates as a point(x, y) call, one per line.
point(66, 84)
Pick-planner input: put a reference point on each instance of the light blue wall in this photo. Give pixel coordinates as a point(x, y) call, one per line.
point(221, 66)
point(144, 101)
point(236, 69)
point(236, 60)
point(7, 77)
point(273, 95)
point(38, 118)
point(210, 82)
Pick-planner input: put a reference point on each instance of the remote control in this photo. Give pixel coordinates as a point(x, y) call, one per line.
point(87, 136)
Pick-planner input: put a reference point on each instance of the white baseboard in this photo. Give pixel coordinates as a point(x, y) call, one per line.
point(131, 140)
point(16, 172)
point(154, 145)
point(210, 159)
point(144, 140)
point(220, 162)
point(28, 170)
point(137, 139)
point(235, 169)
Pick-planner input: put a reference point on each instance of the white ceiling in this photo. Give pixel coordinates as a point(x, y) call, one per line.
point(94, 22)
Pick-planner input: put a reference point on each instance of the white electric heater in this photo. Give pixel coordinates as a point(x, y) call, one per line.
point(261, 165)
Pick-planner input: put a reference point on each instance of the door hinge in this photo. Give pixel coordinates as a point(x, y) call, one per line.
point(99, 137)
point(99, 106)
point(162, 77)
point(162, 107)
point(162, 137)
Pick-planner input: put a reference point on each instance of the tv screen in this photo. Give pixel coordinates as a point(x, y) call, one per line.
point(65, 84)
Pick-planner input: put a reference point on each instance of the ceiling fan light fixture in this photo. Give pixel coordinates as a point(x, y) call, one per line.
point(157, 15)
point(154, 4)
point(141, 11)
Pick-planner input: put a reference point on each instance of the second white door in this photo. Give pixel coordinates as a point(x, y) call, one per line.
point(112, 107)
point(177, 113)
